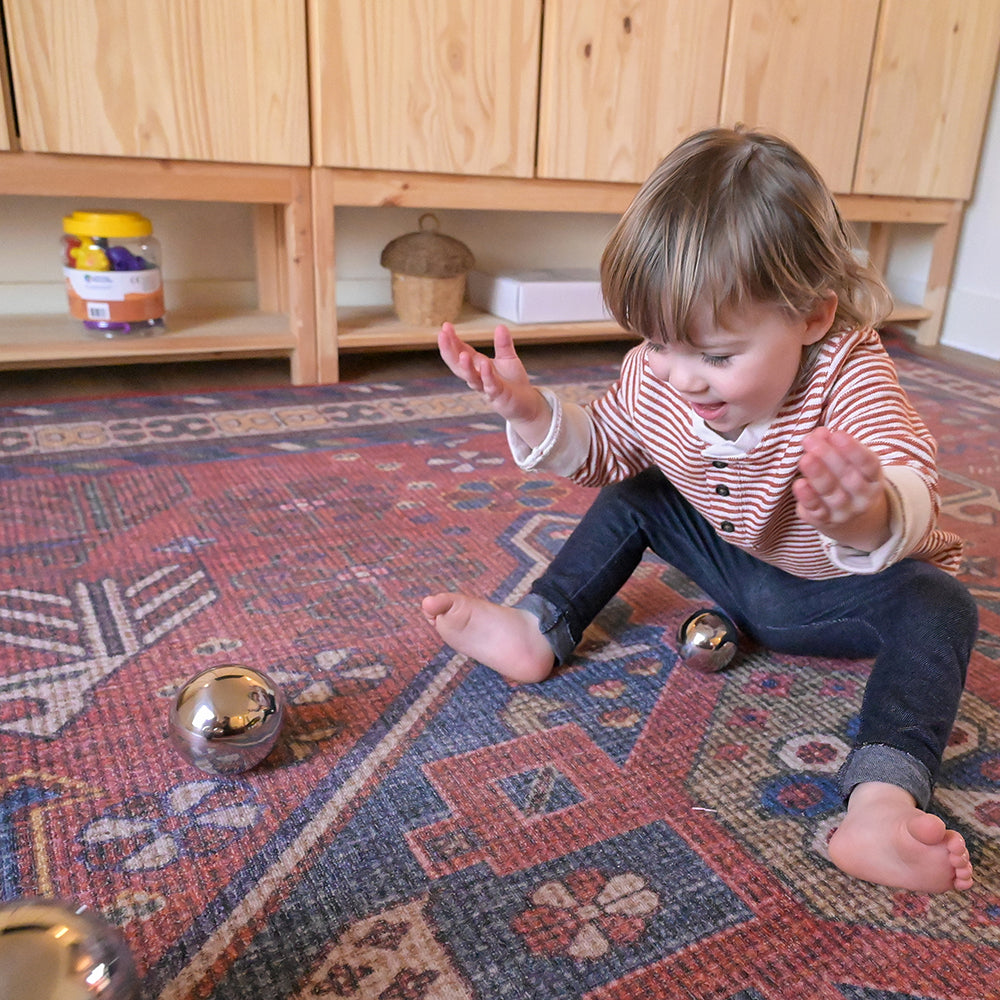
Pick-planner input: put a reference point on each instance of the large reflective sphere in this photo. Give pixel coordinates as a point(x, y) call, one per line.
point(227, 719)
point(707, 641)
point(58, 950)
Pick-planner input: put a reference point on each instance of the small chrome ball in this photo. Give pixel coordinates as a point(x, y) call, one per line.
point(707, 641)
point(227, 718)
point(53, 949)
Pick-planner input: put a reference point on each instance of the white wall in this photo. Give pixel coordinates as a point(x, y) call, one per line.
point(972, 320)
point(972, 317)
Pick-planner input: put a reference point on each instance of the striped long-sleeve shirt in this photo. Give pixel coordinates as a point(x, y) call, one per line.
point(744, 487)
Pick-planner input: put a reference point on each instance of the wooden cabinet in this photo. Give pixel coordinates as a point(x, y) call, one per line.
point(886, 97)
point(800, 68)
point(444, 86)
point(438, 104)
point(622, 82)
point(220, 80)
point(148, 86)
point(931, 81)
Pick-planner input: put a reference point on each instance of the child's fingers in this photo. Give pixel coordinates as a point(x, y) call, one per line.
point(856, 456)
point(494, 385)
point(821, 501)
point(810, 503)
point(448, 342)
point(468, 372)
point(462, 359)
point(833, 498)
point(451, 348)
point(833, 481)
point(840, 451)
point(503, 344)
point(486, 374)
point(836, 460)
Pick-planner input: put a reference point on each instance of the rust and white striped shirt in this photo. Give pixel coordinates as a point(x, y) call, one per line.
point(744, 487)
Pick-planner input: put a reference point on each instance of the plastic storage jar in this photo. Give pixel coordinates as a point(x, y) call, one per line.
point(111, 261)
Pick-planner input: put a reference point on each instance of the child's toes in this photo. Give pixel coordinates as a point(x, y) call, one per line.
point(930, 829)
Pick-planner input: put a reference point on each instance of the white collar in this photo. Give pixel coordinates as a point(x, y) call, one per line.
point(720, 447)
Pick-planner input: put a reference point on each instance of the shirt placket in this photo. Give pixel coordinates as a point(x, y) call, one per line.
point(721, 484)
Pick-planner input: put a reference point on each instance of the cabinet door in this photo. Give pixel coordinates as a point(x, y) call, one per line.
point(181, 79)
point(7, 131)
point(800, 68)
point(6, 108)
point(445, 86)
point(623, 81)
point(932, 78)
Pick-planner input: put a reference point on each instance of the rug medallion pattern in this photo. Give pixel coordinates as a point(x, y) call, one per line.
point(425, 830)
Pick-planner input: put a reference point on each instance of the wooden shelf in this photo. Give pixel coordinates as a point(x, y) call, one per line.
point(281, 200)
point(376, 328)
point(382, 188)
point(907, 312)
point(294, 237)
point(43, 341)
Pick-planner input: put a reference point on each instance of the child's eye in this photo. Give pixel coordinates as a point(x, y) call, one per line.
point(655, 348)
point(716, 360)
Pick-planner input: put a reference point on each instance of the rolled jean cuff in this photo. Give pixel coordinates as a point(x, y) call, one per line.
point(875, 762)
point(551, 623)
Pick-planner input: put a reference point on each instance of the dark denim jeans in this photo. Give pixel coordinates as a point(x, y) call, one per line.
point(916, 621)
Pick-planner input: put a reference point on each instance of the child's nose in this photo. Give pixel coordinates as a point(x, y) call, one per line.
point(685, 378)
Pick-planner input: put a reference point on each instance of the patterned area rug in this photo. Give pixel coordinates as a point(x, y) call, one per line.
point(425, 830)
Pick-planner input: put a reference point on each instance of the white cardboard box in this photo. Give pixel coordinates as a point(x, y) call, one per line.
point(567, 295)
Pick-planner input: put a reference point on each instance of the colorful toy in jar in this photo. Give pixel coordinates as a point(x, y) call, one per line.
point(111, 263)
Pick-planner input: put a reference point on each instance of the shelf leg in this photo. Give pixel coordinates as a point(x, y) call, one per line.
point(328, 360)
point(943, 250)
point(879, 246)
point(298, 246)
point(272, 257)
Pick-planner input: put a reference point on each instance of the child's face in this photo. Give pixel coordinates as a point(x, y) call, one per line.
point(739, 370)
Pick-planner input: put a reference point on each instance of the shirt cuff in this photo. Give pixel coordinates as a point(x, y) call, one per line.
point(566, 445)
point(910, 513)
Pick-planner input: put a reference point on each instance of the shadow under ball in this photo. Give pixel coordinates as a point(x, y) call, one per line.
point(707, 641)
point(227, 719)
point(59, 950)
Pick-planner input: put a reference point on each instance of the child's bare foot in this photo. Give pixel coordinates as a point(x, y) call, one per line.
point(886, 839)
point(505, 639)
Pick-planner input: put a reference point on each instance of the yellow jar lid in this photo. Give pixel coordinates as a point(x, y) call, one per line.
point(112, 224)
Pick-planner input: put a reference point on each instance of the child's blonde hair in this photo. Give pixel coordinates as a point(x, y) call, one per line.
point(733, 216)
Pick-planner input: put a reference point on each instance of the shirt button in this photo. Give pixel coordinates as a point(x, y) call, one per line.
point(722, 490)
point(727, 526)
point(719, 464)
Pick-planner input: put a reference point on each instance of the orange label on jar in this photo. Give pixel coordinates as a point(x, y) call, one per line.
point(115, 296)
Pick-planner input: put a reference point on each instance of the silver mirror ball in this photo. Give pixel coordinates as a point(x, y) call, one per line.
point(54, 949)
point(707, 641)
point(227, 718)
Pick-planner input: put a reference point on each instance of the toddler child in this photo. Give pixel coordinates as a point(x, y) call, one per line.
point(759, 441)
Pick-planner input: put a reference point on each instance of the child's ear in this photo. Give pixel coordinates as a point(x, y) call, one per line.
point(820, 319)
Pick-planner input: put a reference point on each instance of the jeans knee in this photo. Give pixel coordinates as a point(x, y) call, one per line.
point(635, 496)
point(940, 604)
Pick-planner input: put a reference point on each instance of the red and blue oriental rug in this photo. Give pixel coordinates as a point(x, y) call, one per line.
point(425, 830)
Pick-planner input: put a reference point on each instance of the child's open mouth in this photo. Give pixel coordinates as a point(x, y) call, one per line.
point(708, 412)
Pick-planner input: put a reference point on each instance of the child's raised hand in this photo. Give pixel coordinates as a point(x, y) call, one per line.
point(502, 380)
point(842, 490)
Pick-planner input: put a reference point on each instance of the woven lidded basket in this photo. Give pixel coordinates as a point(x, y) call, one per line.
point(428, 274)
